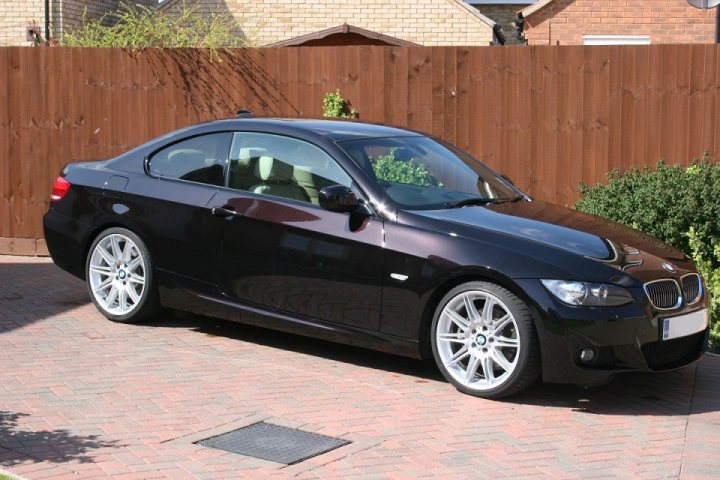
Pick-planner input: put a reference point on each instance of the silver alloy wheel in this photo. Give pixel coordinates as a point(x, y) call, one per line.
point(477, 340)
point(117, 274)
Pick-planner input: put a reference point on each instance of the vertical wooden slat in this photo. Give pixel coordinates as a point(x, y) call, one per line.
point(709, 98)
point(548, 127)
point(364, 82)
point(643, 105)
point(519, 151)
point(654, 109)
point(317, 77)
point(679, 150)
point(456, 90)
point(5, 139)
point(536, 137)
point(628, 105)
point(481, 77)
point(667, 118)
point(39, 150)
point(354, 67)
point(262, 69)
point(373, 101)
point(396, 71)
point(18, 142)
point(572, 125)
point(595, 113)
point(616, 124)
point(419, 88)
point(106, 91)
point(696, 105)
point(439, 99)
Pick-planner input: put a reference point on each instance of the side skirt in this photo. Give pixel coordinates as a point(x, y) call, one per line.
point(212, 306)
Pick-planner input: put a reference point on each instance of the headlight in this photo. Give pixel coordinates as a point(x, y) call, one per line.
point(588, 294)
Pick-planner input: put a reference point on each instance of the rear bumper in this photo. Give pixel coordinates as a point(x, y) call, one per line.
point(623, 339)
point(67, 241)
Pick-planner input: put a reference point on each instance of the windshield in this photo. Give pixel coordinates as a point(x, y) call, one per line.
point(420, 173)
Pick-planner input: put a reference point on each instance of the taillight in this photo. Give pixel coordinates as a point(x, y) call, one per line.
point(60, 188)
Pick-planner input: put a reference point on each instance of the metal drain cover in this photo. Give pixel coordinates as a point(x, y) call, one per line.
point(274, 443)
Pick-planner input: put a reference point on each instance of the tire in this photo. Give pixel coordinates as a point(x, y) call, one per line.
point(119, 277)
point(484, 340)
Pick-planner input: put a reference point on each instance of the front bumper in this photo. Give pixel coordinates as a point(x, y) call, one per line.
point(623, 339)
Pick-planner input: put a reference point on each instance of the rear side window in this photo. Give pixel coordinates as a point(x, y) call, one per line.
point(199, 159)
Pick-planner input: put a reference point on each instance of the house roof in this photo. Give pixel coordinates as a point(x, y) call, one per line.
point(529, 10)
point(473, 11)
point(343, 29)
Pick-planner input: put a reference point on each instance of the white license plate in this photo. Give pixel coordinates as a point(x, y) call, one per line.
point(684, 325)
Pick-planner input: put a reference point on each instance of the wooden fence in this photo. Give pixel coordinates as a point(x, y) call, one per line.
point(549, 117)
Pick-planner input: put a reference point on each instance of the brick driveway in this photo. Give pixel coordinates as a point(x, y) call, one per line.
point(82, 397)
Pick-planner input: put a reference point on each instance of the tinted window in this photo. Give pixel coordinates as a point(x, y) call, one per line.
point(199, 159)
point(422, 173)
point(282, 167)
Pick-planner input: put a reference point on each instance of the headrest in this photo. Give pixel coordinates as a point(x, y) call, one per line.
point(245, 154)
point(186, 156)
point(269, 168)
point(183, 161)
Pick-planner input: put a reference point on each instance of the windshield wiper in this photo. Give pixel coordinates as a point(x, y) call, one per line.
point(479, 201)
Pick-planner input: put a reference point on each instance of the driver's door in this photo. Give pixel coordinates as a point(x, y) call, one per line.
point(281, 250)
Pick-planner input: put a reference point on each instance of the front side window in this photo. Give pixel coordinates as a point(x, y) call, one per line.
point(281, 167)
point(421, 173)
point(198, 159)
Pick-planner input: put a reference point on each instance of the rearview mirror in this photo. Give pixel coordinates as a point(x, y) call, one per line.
point(507, 179)
point(338, 198)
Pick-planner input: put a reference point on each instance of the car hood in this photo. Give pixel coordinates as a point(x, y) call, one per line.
point(580, 233)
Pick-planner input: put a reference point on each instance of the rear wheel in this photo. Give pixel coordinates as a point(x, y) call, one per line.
point(484, 340)
point(119, 277)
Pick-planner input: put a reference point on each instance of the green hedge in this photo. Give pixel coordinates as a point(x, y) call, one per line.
point(678, 205)
point(391, 169)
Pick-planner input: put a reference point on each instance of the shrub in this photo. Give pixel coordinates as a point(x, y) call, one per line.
point(664, 202)
point(712, 282)
point(138, 27)
point(389, 168)
point(335, 106)
point(678, 205)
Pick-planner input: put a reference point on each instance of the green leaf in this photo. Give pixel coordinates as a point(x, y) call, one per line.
point(138, 27)
point(390, 169)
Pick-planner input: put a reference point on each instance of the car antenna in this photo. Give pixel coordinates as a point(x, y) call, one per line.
point(244, 113)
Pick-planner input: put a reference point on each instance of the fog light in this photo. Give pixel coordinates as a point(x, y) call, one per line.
point(587, 355)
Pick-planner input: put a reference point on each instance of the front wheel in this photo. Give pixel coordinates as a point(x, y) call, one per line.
point(119, 276)
point(484, 340)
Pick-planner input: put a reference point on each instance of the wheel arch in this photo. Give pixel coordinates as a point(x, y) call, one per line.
point(458, 278)
point(96, 231)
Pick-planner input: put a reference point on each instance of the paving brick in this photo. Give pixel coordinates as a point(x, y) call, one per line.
point(82, 397)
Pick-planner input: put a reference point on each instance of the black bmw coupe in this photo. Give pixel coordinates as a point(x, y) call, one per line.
point(380, 237)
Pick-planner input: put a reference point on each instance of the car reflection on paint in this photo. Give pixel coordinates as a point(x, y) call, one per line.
point(379, 237)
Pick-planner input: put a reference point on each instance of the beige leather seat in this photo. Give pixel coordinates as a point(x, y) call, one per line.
point(242, 167)
point(305, 178)
point(277, 180)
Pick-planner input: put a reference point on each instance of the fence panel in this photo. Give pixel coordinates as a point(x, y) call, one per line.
point(549, 117)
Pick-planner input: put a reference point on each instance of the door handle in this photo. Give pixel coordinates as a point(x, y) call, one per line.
point(226, 212)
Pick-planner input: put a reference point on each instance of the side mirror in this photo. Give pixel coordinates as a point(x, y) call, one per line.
point(338, 198)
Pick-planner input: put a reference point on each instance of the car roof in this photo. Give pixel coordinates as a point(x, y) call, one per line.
point(337, 130)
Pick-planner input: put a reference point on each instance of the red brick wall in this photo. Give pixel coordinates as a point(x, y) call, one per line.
point(565, 22)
